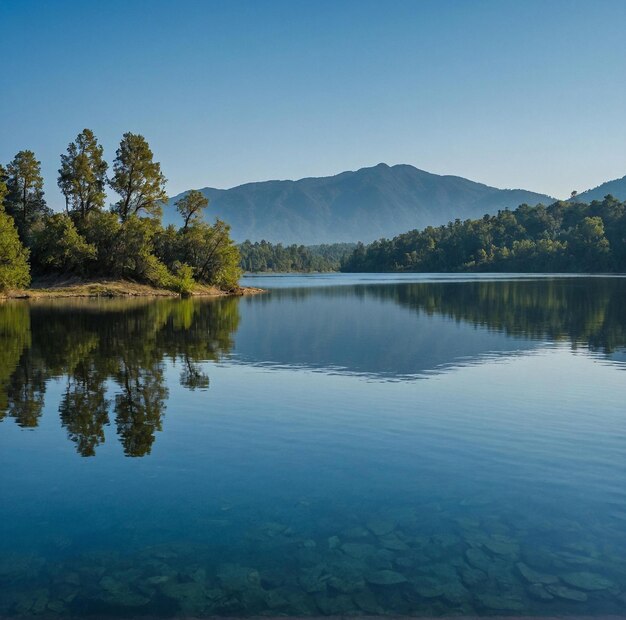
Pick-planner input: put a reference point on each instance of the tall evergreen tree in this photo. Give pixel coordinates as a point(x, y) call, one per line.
point(25, 201)
point(137, 178)
point(82, 176)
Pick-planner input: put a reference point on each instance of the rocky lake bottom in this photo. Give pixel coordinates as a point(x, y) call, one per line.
point(393, 563)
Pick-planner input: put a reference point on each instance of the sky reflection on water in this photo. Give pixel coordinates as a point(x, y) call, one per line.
point(295, 450)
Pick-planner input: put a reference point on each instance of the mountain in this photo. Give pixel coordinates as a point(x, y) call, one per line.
point(381, 201)
point(616, 188)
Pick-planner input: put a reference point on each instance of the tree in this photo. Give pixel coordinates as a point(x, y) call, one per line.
point(190, 207)
point(25, 201)
point(4, 190)
point(212, 254)
point(102, 230)
point(137, 179)
point(59, 247)
point(82, 176)
point(14, 268)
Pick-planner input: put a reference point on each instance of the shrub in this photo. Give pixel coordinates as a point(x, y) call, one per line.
point(59, 247)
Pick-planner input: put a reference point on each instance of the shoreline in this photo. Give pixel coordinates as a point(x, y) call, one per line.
point(114, 289)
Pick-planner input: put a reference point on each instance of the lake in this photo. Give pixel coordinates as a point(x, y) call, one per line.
point(342, 444)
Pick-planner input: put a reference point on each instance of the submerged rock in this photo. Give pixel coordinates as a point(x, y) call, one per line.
point(497, 602)
point(272, 578)
point(404, 562)
point(455, 593)
point(314, 580)
point(157, 580)
point(189, 596)
point(393, 543)
point(334, 542)
point(57, 607)
point(502, 545)
point(273, 529)
point(334, 605)
point(587, 581)
point(427, 587)
point(472, 577)
point(538, 592)
point(355, 533)
point(346, 578)
point(366, 601)
point(533, 576)
point(566, 593)
point(478, 559)
point(446, 540)
point(380, 526)
point(442, 571)
point(359, 550)
point(385, 578)
point(235, 577)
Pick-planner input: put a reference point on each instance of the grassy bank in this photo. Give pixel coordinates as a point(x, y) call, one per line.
point(57, 288)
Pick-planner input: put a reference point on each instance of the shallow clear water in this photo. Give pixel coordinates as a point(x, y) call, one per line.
point(364, 444)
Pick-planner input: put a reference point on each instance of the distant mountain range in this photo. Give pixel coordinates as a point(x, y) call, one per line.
point(381, 201)
point(616, 188)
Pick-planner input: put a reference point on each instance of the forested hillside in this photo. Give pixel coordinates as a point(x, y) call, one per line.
point(564, 237)
point(264, 256)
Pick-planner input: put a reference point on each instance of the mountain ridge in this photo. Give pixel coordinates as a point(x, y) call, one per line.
point(615, 187)
point(361, 205)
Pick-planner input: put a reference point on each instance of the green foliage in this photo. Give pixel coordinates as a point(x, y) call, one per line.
point(212, 254)
point(132, 253)
point(4, 190)
point(101, 229)
point(137, 179)
point(265, 256)
point(208, 249)
point(59, 247)
point(565, 237)
point(14, 268)
point(82, 176)
point(121, 243)
point(182, 280)
point(24, 200)
point(190, 207)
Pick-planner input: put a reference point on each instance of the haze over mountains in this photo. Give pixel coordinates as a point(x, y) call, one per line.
point(370, 203)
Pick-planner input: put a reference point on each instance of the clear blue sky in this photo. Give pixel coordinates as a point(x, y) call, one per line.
point(517, 93)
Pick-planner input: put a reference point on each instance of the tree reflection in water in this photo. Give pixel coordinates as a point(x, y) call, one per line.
point(91, 343)
point(112, 355)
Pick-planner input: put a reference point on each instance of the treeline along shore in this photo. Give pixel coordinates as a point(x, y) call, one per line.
point(120, 250)
point(567, 236)
point(89, 249)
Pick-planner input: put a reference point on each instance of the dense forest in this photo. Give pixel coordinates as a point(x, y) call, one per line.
point(567, 236)
point(125, 241)
point(264, 256)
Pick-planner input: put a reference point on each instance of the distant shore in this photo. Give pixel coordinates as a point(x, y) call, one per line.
point(59, 289)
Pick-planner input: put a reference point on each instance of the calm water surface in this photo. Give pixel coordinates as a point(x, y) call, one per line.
point(366, 444)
